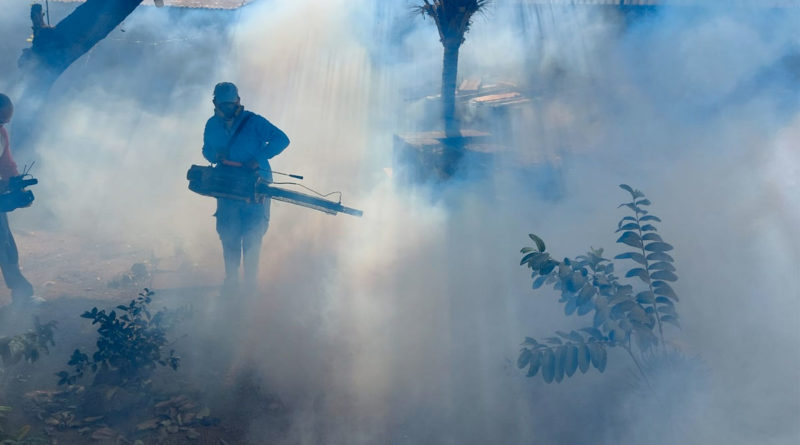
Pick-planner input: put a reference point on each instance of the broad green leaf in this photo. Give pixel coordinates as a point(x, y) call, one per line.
point(527, 257)
point(658, 247)
point(664, 300)
point(598, 355)
point(535, 363)
point(660, 256)
point(594, 332)
point(585, 308)
point(586, 293)
point(624, 326)
point(629, 226)
point(524, 358)
point(548, 267)
point(539, 281)
point(667, 309)
point(599, 318)
point(571, 361)
point(623, 307)
point(638, 257)
point(617, 298)
point(635, 193)
point(645, 297)
point(661, 288)
point(625, 218)
point(530, 341)
point(631, 239)
point(539, 242)
point(650, 218)
point(576, 337)
point(638, 272)
point(575, 282)
point(526, 250)
point(671, 320)
point(571, 306)
point(643, 202)
point(548, 365)
point(583, 357)
point(665, 275)
point(662, 265)
point(652, 237)
point(535, 260)
point(563, 335)
point(649, 228)
point(637, 314)
point(561, 358)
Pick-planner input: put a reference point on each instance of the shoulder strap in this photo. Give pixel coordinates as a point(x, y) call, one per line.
point(4, 141)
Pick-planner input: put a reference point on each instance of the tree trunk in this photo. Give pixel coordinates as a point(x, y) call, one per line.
point(54, 49)
point(452, 126)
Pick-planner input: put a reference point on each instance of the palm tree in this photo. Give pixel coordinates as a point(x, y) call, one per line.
point(453, 19)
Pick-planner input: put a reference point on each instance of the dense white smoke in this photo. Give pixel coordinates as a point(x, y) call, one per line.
point(403, 326)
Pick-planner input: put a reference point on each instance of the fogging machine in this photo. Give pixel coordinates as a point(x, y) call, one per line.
point(16, 195)
point(247, 185)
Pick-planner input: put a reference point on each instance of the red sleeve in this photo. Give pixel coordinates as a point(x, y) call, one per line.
point(8, 167)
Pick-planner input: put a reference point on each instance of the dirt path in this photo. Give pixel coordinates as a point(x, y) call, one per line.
point(69, 265)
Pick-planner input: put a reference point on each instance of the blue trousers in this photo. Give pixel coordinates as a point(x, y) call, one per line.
point(241, 227)
point(9, 263)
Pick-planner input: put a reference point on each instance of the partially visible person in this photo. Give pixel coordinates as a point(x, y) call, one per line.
point(237, 138)
point(21, 288)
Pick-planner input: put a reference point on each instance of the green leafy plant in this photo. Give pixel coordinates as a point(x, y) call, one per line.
point(28, 345)
point(130, 346)
point(624, 313)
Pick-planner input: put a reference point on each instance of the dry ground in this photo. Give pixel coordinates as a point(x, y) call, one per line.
point(75, 274)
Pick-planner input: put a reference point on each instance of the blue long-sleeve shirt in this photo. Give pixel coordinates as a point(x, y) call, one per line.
point(258, 140)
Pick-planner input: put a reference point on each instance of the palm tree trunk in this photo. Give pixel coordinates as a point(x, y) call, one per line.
point(452, 126)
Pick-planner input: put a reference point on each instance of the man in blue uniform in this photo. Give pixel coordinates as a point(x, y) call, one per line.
point(238, 138)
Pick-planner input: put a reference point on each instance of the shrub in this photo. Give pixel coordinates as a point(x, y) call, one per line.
point(130, 345)
point(623, 313)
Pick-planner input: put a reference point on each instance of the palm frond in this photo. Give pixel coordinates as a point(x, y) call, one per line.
point(453, 17)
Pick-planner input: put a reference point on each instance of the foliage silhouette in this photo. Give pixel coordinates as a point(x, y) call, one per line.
point(28, 345)
point(622, 313)
point(129, 348)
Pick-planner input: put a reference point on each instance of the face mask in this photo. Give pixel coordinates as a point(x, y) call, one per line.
point(228, 109)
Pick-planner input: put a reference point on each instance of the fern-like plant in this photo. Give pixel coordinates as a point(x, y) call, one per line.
point(625, 311)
